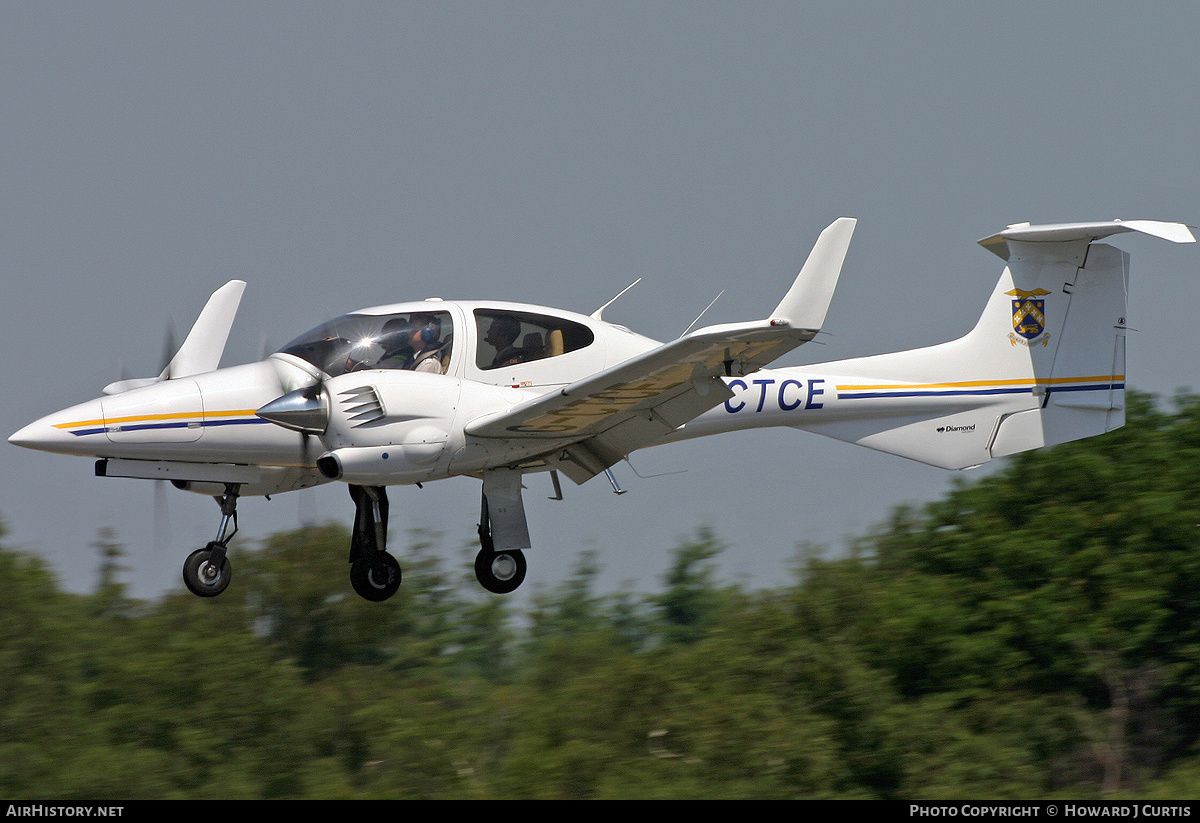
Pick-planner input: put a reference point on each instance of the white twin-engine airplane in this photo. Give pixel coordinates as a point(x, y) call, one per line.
point(414, 392)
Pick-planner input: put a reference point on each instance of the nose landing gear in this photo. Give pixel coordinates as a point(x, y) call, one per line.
point(207, 571)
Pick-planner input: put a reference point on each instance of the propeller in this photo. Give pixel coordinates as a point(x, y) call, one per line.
point(162, 517)
point(304, 410)
point(125, 383)
point(316, 390)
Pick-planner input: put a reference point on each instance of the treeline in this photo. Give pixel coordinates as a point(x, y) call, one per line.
point(1035, 634)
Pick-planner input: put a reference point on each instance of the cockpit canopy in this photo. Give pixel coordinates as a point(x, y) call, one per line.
point(495, 343)
point(417, 341)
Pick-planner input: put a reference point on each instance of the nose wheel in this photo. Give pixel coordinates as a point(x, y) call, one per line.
point(207, 571)
point(204, 574)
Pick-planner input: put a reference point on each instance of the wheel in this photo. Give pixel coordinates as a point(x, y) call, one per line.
point(375, 578)
point(500, 572)
point(202, 577)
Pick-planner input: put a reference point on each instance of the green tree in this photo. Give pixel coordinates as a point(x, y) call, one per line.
point(1063, 581)
point(297, 595)
point(39, 678)
point(691, 599)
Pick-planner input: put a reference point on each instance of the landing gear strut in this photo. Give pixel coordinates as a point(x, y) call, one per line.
point(374, 574)
point(500, 565)
point(207, 571)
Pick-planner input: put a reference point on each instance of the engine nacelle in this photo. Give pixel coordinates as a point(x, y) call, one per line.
point(382, 465)
point(388, 426)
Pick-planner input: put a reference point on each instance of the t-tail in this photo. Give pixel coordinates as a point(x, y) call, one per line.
point(1045, 364)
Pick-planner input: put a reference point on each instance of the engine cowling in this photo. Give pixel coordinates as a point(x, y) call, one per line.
point(388, 426)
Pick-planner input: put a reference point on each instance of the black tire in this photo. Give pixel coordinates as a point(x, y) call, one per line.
point(375, 578)
point(201, 578)
point(500, 572)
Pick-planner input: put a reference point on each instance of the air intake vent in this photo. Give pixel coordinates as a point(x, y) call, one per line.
point(362, 405)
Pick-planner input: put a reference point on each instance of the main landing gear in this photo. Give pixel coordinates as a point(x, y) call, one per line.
point(500, 565)
point(500, 572)
point(207, 571)
point(374, 573)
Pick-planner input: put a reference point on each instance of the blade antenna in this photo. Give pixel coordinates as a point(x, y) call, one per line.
point(701, 314)
point(596, 315)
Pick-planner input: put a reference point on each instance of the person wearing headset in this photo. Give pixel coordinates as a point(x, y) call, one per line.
point(502, 336)
point(413, 343)
point(426, 342)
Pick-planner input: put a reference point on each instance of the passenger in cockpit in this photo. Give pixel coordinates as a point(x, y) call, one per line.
point(413, 343)
point(426, 342)
point(502, 336)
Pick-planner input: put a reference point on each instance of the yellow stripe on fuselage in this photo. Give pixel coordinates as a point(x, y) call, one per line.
point(975, 384)
point(142, 418)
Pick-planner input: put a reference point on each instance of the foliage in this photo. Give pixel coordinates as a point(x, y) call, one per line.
point(1033, 633)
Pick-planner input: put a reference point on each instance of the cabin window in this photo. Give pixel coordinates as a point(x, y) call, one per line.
point(508, 338)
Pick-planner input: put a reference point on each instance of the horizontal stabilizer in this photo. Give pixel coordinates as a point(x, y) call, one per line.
point(998, 243)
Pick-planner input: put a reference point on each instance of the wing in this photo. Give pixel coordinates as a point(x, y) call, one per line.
point(597, 421)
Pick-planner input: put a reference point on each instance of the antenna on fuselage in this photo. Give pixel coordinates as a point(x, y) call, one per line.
point(701, 314)
point(596, 315)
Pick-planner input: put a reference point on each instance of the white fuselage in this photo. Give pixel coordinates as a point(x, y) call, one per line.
point(419, 436)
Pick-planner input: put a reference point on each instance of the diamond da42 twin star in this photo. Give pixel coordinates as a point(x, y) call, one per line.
point(414, 392)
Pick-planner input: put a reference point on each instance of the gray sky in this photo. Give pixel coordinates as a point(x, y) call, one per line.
point(337, 156)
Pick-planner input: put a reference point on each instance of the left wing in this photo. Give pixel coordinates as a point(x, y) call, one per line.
point(600, 419)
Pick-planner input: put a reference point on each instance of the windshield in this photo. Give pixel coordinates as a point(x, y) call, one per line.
point(418, 341)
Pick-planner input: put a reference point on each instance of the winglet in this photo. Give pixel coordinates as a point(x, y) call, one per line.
point(201, 351)
point(806, 302)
